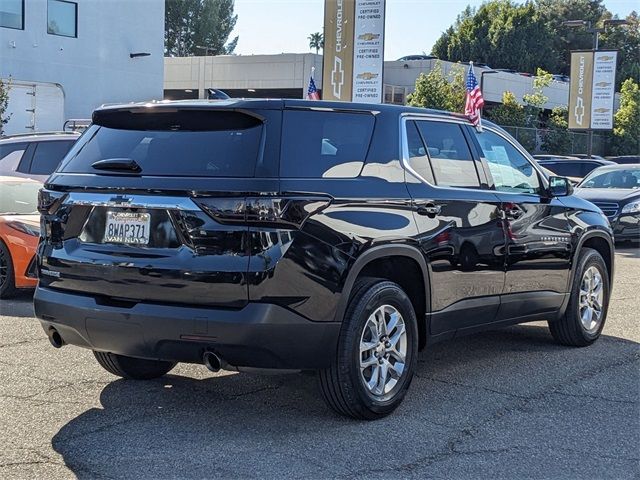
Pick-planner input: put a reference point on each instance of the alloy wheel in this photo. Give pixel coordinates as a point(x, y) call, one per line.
point(383, 350)
point(591, 299)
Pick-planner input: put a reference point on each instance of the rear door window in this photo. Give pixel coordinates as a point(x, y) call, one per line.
point(324, 144)
point(565, 169)
point(183, 143)
point(418, 159)
point(451, 160)
point(10, 155)
point(48, 156)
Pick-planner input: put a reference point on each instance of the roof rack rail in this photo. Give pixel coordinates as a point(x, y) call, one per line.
point(32, 134)
point(76, 124)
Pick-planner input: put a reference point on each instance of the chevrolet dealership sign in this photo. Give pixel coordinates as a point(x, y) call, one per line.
point(592, 90)
point(353, 50)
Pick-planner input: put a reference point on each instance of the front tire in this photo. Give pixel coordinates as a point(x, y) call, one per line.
point(133, 368)
point(7, 275)
point(584, 319)
point(377, 352)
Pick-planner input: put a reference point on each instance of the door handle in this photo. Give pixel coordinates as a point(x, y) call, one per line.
point(513, 212)
point(429, 209)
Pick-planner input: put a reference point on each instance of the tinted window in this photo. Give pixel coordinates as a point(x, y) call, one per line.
point(613, 179)
point(62, 18)
point(10, 155)
point(510, 169)
point(451, 159)
point(12, 14)
point(418, 159)
point(324, 144)
point(571, 168)
point(48, 156)
point(204, 153)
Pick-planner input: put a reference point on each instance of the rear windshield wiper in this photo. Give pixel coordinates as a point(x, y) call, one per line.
point(123, 164)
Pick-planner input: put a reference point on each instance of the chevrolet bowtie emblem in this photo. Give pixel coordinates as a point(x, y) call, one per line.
point(120, 199)
point(579, 110)
point(337, 77)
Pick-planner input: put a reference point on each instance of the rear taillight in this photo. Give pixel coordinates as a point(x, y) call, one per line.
point(276, 212)
point(49, 201)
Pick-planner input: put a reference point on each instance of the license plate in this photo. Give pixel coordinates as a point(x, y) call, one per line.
point(127, 227)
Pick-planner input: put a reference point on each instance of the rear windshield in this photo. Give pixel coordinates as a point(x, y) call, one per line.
point(211, 144)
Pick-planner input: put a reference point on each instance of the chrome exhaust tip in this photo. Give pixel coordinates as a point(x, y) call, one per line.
point(55, 338)
point(212, 361)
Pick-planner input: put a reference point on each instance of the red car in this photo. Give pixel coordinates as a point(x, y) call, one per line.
point(19, 233)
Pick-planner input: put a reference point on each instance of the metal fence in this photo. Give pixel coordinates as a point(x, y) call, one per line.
point(537, 140)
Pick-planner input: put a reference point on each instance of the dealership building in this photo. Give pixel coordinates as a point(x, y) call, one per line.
point(73, 56)
point(287, 76)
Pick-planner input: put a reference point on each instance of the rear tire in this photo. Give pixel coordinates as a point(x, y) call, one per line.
point(7, 275)
point(379, 330)
point(584, 319)
point(133, 368)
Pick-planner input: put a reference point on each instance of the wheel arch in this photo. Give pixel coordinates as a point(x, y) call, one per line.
point(601, 242)
point(401, 264)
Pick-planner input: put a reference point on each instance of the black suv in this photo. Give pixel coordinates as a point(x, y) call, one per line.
point(296, 235)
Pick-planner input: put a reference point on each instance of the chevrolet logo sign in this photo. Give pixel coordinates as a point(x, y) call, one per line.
point(337, 77)
point(579, 110)
point(605, 58)
point(601, 110)
point(603, 84)
point(367, 76)
point(368, 37)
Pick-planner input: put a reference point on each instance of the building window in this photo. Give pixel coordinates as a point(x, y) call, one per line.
point(12, 14)
point(62, 18)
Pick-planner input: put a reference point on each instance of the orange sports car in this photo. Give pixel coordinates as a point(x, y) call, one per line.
point(19, 233)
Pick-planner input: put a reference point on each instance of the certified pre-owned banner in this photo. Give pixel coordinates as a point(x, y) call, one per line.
point(337, 72)
point(592, 89)
point(603, 90)
point(368, 58)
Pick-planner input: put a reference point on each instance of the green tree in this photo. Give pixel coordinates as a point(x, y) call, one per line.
point(509, 113)
point(626, 40)
point(440, 91)
point(557, 138)
point(564, 38)
point(499, 33)
point(4, 103)
point(626, 126)
point(536, 100)
point(190, 24)
point(316, 40)
point(525, 36)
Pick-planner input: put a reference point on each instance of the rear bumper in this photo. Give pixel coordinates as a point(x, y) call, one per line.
point(259, 335)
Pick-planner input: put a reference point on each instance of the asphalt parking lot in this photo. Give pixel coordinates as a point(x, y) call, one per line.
point(502, 404)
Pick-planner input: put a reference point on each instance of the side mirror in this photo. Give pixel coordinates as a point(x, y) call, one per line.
point(560, 187)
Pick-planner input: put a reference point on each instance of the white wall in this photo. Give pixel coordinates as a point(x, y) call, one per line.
point(94, 68)
point(287, 70)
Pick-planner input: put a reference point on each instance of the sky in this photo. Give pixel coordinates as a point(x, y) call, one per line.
point(412, 26)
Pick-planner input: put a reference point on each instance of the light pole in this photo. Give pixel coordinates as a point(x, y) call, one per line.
point(596, 36)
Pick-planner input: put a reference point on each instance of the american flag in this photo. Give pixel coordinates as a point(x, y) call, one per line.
point(312, 91)
point(474, 98)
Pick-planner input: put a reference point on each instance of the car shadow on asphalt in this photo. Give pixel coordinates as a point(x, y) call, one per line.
point(19, 306)
point(241, 425)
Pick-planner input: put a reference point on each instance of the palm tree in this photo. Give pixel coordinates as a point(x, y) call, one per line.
point(316, 40)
